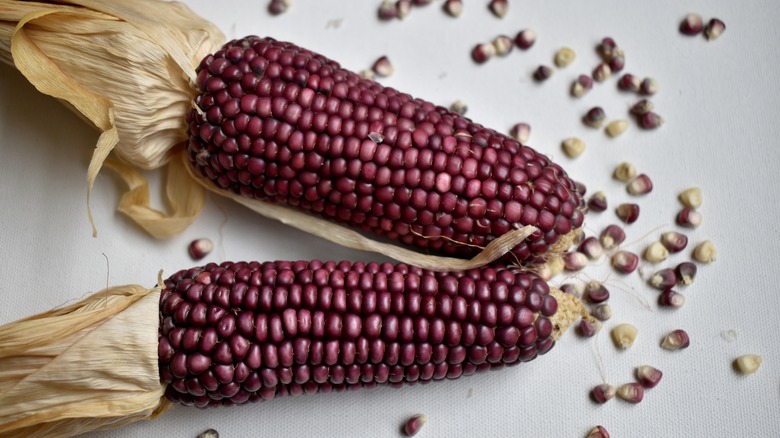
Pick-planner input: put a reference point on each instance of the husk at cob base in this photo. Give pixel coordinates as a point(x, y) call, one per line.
point(94, 365)
point(128, 68)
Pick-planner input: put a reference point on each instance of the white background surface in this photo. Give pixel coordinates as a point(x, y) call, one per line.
point(720, 103)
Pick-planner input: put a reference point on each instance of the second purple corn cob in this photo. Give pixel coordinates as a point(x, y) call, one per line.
point(280, 123)
point(246, 332)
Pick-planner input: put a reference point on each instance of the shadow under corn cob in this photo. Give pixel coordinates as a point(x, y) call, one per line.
point(244, 332)
point(280, 123)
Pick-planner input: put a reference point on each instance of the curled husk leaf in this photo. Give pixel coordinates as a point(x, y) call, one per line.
point(88, 366)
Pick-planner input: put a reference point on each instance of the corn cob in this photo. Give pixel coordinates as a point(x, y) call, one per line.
point(276, 122)
point(245, 332)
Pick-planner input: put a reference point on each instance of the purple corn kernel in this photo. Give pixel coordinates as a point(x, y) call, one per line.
point(688, 218)
point(200, 248)
point(503, 45)
point(542, 73)
point(595, 117)
point(588, 327)
point(482, 52)
point(676, 340)
point(414, 424)
point(387, 10)
point(597, 202)
point(715, 27)
point(642, 107)
point(382, 67)
point(629, 82)
point(691, 25)
point(686, 273)
point(596, 292)
point(674, 241)
point(649, 87)
point(581, 85)
point(627, 212)
point(612, 237)
point(276, 7)
point(663, 279)
point(210, 433)
point(591, 247)
point(602, 312)
point(525, 39)
point(453, 8)
point(606, 48)
point(671, 298)
point(631, 392)
point(617, 61)
point(603, 393)
point(598, 432)
point(403, 7)
point(625, 262)
point(574, 261)
point(602, 72)
point(520, 132)
point(499, 8)
point(650, 120)
point(640, 185)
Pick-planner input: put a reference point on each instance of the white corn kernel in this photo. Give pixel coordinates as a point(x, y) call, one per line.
point(616, 127)
point(691, 197)
point(748, 363)
point(705, 252)
point(656, 252)
point(573, 147)
point(623, 335)
point(564, 57)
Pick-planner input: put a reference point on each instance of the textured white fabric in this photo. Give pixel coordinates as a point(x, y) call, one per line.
point(719, 100)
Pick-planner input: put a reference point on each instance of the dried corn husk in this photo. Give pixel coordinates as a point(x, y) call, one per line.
point(128, 68)
point(88, 366)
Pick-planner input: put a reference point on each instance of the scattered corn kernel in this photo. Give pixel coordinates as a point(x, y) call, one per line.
point(459, 107)
point(676, 340)
point(612, 236)
point(656, 252)
point(211, 433)
point(618, 61)
point(602, 312)
point(591, 247)
point(597, 202)
point(594, 117)
point(649, 87)
point(453, 7)
point(499, 8)
point(596, 292)
point(573, 147)
point(588, 327)
point(674, 241)
point(625, 262)
point(387, 10)
point(602, 72)
point(403, 8)
point(520, 132)
point(414, 424)
point(624, 172)
point(603, 393)
point(748, 363)
point(564, 57)
point(276, 7)
point(382, 67)
point(627, 212)
point(616, 127)
point(714, 29)
point(200, 248)
point(624, 335)
point(598, 432)
point(525, 38)
point(686, 273)
point(663, 279)
point(482, 52)
point(629, 82)
point(542, 73)
point(689, 218)
point(574, 261)
point(705, 252)
point(367, 74)
point(631, 392)
point(691, 197)
point(503, 45)
point(648, 376)
point(671, 298)
point(691, 25)
point(644, 106)
point(641, 185)
point(606, 47)
point(650, 120)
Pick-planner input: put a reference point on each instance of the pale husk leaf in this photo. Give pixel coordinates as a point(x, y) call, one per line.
point(88, 366)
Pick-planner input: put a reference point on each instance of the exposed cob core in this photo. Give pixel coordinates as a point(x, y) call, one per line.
point(280, 123)
point(243, 332)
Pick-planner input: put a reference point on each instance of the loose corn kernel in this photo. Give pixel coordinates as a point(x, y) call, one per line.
point(520, 132)
point(715, 27)
point(671, 298)
point(459, 107)
point(705, 252)
point(597, 202)
point(674, 241)
point(616, 127)
point(612, 237)
point(748, 363)
point(200, 248)
point(624, 171)
point(382, 67)
point(598, 432)
point(591, 247)
point(627, 212)
point(602, 312)
point(686, 273)
point(648, 376)
point(602, 72)
point(503, 45)
point(691, 197)
point(642, 107)
point(656, 252)
point(649, 87)
point(631, 392)
point(542, 73)
point(414, 424)
point(624, 335)
point(676, 340)
point(525, 38)
point(641, 185)
point(663, 279)
point(573, 147)
point(564, 57)
point(453, 7)
point(691, 25)
point(603, 393)
point(499, 8)
point(629, 82)
point(594, 117)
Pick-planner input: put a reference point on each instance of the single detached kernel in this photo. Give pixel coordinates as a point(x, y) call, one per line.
point(503, 45)
point(481, 53)
point(276, 7)
point(367, 74)
point(663, 279)
point(691, 25)
point(612, 236)
point(414, 424)
point(387, 10)
point(603, 393)
point(674, 241)
point(588, 327)
point(459, 107)
point(453, 7)
point(617, 61)
point(602, 72)
point(627, 212)
point(625, 262)
point(602, 312)
point(581, 85)
point(631, 392)
point(542, 73)
point(594, 117)
point(564, 57)
point(676, 340)
point(688, 218)
point(748, 363)
point(629, 82)
point(691, 197)
point(649, 87)
point(705, 252)
point(671, 298)
point(616, 127)
point(624, 335)
point(591, 247)
point(624, 172)
point(499, 8)
point(644, 106)
point(520, 132)
point(525, 38)
point(200, 248)
point(573, 147)
point(403, 7)
point(606, 47)
point(596, 292)
point(656, 252)
point(574, 261)
point(597, 202)
point(641, 185)
point(211, 433)
point(715, 27)
point(648, 376)
point(382, 67)
point(650, 121)
point(686, 273)
point(598, 432)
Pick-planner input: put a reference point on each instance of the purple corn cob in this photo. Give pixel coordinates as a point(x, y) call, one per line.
point(280, 123)
point(246, 332)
